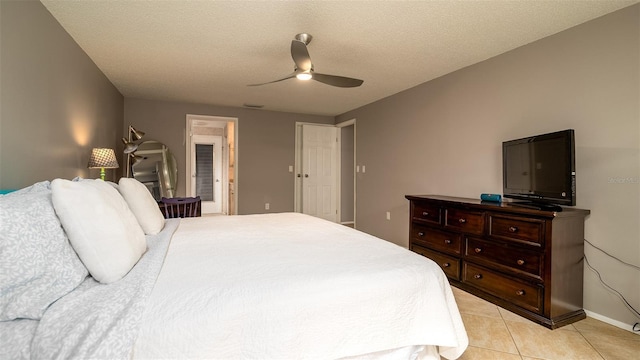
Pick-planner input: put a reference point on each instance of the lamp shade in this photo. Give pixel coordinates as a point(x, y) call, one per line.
point(135, 134)
point(129, 146)
point(134, 159)
point(103, 158)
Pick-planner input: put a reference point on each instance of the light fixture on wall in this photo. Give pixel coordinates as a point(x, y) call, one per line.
point(103, 158)
point(130, 147)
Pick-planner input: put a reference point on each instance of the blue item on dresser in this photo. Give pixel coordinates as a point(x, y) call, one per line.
point(491, 197)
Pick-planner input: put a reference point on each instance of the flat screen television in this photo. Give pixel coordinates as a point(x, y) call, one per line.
point(540, 170)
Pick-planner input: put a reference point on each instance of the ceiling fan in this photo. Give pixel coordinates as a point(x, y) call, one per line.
point(304, 68)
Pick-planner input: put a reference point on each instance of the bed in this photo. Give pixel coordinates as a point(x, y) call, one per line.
point(268, 286)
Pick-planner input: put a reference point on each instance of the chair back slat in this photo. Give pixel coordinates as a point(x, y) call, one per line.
point(181, 207)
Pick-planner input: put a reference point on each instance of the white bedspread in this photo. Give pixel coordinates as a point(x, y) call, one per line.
point(290, 286)
point(94, 321)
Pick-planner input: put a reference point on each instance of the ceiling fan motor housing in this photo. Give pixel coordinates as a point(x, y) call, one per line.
point(304, 37)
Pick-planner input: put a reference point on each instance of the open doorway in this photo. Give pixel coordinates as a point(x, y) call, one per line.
point(211, 159)
point(347, 140)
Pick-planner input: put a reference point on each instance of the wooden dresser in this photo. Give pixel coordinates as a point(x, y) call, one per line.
point(525, 260)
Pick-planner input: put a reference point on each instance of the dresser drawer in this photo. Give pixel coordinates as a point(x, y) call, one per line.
point(527, 230)
point(520, 293)
point(508, 258)
point(449, 264)
point(436, 239)
point(464, 220)
point(426, 212)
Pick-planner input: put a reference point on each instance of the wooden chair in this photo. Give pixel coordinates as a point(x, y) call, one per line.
point(181, 207)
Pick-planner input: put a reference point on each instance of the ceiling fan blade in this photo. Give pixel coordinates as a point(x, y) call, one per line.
point(339, 81)
point(300, 55)
point(292, 75)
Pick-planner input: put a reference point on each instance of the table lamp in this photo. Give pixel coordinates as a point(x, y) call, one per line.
point(103, 158)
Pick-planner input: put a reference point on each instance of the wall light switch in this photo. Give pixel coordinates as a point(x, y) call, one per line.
point(357, 168)
point(290, 168)
point(363, 169)
point(388, 215)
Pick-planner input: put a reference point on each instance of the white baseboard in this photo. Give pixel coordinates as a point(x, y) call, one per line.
point(347, 222)
point(616, 323)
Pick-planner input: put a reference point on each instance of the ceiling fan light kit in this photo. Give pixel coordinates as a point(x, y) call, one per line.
point(304, 67)
point(304, 76)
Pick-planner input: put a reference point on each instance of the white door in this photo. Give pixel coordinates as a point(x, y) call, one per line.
point(206, 167)
point(319, 171)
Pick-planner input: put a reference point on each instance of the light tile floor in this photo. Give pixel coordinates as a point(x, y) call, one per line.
point(495, 333)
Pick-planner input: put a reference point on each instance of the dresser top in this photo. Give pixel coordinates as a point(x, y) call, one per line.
point(505, 206)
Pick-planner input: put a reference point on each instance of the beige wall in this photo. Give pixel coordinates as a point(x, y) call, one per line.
point(265, 147)
point(56, 105)
point(444, 137)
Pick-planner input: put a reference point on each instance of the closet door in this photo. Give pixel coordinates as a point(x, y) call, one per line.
point(319, 176)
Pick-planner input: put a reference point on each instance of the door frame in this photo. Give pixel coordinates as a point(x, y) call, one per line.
point(297, 173)
point(219, 122)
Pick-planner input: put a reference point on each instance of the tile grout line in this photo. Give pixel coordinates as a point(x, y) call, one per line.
point(510, 334)
point(590, 344)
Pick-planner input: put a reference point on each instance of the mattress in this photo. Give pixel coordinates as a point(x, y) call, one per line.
point(291, 286)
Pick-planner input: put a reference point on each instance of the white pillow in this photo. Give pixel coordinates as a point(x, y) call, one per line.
point(100, 226)
point(142, 204)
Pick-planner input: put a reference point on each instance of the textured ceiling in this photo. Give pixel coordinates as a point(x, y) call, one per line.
point(208, 51)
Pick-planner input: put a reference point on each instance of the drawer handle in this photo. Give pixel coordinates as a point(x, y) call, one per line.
point(477, 250)
point(477, 276)
point(446, 265)
point(520, 262)
point(447, 241)
point(520, 292)
point(424, 213)
point(513, 229)
point(420, 233)
point(462, 220)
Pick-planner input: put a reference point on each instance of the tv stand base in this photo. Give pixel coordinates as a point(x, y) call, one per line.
point(537, 206)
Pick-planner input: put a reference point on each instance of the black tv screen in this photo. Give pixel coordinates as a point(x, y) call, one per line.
point(540, 169)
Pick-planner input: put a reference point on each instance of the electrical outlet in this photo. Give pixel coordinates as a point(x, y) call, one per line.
point(266, 206)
